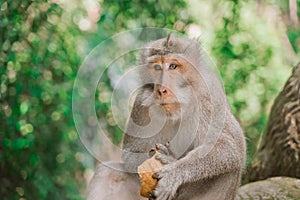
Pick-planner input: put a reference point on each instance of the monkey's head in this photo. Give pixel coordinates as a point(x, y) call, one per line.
point(170, 74)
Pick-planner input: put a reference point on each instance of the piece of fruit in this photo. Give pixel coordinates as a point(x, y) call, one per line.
point(145, 171)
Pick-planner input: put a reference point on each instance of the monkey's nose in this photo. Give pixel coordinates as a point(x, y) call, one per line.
point(162, 91)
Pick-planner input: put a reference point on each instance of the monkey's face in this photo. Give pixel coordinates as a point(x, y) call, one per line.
point(171, 69)
point(172, 78)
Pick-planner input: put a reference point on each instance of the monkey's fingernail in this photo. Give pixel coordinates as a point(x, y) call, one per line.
point(155, 176)
point(150, 194)
point(152, 152)
point(157, 146)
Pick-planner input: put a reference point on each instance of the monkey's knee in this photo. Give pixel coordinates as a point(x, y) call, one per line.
point(111, 183)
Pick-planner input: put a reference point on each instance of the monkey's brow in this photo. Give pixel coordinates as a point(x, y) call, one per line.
point(152, 60)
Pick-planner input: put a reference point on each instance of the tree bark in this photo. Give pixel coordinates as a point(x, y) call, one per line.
point(280, 153)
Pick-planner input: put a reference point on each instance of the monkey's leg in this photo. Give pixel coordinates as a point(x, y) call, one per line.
point(110, 184)
point(222, 187)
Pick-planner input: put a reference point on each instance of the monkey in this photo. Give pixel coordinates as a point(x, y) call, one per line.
point(182, 104)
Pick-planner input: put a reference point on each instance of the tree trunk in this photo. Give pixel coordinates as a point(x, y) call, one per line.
point(280, 153)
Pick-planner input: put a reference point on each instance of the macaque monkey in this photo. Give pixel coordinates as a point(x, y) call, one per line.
point(182, 104)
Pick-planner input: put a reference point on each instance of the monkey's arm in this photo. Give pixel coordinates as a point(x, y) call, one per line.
point(134, 153)
point(135, 149)
point(226, 156)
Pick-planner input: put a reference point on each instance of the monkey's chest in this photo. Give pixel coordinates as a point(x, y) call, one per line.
point(178, 143)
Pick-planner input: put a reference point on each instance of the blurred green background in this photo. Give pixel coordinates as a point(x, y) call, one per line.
point(42, 44)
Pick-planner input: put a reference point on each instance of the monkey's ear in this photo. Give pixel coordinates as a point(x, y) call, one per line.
point(170, 40)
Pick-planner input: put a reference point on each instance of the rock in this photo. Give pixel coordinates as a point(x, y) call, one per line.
point(277, 188)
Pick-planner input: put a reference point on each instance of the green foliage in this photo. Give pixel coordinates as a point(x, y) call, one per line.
point(253, 66)
point(38, 62)
point(294, 36)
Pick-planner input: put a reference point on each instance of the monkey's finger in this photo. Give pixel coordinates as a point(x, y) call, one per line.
point(156, 176)
point(162, 149)
point(164, 159)
point(151, 195)
point(167, 144)
point(152, 152)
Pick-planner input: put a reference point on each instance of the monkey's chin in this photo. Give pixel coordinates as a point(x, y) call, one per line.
point(172, 109)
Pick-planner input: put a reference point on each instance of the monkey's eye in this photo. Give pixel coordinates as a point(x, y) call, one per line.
point(157, 67)
point(173, 66)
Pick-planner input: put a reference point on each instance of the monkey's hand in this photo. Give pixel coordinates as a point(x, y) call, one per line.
point(165, 159)
point(168, 183)
point(164, 156)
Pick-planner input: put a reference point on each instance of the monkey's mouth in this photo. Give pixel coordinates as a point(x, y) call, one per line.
point(169, 106)
point(166, 103)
